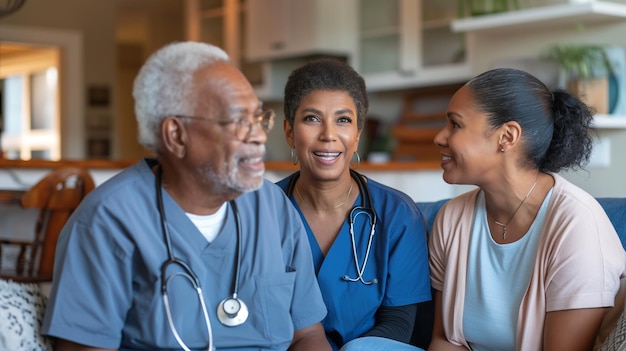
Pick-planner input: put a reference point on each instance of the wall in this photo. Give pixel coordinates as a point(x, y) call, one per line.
point(92, 23)
point(605, 181)
point(140, 31)
point(496, 47)
point(95, 19)
point(110, 33)
point(98, 24)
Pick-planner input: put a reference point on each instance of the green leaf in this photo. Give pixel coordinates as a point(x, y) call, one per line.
point(581, 61)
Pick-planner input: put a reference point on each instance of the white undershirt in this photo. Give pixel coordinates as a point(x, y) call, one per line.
point(209, 225)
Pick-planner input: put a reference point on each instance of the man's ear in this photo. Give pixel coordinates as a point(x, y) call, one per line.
point(174, 136)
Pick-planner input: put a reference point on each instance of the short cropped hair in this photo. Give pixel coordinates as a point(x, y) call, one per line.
point(325, 74)
point(164, 86)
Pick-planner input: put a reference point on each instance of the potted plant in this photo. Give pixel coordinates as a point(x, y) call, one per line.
point(486, 7)
point(585, 70)
point(376, 143)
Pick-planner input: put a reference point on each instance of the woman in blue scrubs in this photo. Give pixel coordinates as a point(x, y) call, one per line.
point(368, 240)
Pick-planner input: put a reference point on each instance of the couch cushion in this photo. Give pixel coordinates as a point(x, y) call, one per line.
point(615, 208)
point(429, 211)
point(21, 312)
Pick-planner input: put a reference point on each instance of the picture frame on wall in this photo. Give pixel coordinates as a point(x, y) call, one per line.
point(98, 96)
point(98, 148)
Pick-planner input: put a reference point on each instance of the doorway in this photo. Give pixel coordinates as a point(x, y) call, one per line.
point(67, 44)
point(29, 102)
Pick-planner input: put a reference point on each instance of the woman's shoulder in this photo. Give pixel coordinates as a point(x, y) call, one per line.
point(386, 193)
point(461, 202)
point(571, 200)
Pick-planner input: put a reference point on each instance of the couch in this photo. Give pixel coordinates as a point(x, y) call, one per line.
point(22, 305)
point(615, 208)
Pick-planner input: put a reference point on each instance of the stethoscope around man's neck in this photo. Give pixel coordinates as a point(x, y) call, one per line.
point(231, 311)
point(367, 209)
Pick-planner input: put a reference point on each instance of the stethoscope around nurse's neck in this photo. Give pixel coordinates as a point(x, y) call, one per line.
point(366, 209)
point(231, 311)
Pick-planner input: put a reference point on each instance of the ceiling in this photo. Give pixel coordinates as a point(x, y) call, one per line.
point(126, 10)
point(8, 49)
point(7, 7)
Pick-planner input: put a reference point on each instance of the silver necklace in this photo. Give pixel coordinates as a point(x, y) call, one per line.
point(504, 225)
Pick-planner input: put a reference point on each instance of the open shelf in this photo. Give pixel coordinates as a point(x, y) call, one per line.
point(544, 17)
point(433, 75)
point(609, 122)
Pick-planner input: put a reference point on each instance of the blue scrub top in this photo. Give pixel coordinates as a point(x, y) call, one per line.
point(398, 260)
point(106, 291)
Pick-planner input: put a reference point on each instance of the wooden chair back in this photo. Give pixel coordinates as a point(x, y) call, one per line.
point(56, 196)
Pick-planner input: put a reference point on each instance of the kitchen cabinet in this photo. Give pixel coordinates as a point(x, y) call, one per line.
point(222, 23)
point(409, 43)
point(280, 29)
point(225, 23)
point(216, 22)
point(388, 32)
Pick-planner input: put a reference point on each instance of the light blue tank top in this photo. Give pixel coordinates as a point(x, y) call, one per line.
point(497, 279)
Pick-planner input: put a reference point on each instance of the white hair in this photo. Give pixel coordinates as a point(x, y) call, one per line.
point(163, 86)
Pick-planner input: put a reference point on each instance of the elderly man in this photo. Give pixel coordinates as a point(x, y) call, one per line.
point(192, 249)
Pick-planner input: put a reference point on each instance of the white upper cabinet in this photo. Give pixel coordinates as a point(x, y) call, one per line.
point(278, 29)
point(409, 43)
point(388, 33)
point(222, 23)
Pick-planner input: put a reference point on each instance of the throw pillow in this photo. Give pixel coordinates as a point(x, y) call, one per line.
point(616, 341)
point(21, 313)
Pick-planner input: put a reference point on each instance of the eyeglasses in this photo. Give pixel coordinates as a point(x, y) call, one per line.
point(243, 126)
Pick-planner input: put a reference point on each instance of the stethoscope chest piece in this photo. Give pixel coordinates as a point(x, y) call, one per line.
point(232, 312)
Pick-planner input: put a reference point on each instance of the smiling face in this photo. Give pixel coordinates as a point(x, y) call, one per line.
point(468, 144)
point(324, 134)
point(214, 154)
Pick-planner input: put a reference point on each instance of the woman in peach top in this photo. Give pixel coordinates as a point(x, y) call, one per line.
point(527, 261)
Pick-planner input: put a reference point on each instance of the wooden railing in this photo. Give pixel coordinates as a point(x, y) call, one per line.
point(55, 164)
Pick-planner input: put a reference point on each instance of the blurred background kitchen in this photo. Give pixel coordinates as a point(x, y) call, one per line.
point(67, 67)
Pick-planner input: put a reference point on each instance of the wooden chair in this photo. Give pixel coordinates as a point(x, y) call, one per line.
point(56, 196)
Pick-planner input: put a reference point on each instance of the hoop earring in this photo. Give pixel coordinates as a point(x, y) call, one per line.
point(358, 159)
point(294, 157)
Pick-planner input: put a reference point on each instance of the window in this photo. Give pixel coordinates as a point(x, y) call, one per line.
point(30, 102)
